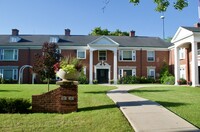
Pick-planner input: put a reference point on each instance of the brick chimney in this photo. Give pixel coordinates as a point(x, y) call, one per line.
point(67, 32)
point(197, 25)
point(15, 32)
point(132, 33)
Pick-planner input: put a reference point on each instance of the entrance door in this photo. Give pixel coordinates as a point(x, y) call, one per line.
point(102, 75)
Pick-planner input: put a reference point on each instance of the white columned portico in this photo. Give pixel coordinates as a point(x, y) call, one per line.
point(176, 65)
point(91, 67)
point(115, 67)
point(195, 79)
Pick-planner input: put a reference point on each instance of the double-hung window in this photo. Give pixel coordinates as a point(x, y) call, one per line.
point(127, 72)
point(81, 54)
point(9, 73)
point(102, 55)
point(150, 56)
point(151, 72)
point(182, 53)
point(8, 54)
point(127, 55)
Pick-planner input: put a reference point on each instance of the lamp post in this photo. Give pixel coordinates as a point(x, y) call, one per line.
point(163, 25)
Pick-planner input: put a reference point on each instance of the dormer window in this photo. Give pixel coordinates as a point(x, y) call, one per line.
point(53, 39)
point(14, 39)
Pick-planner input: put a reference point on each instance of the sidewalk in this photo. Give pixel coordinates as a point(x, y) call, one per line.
point(147, 116)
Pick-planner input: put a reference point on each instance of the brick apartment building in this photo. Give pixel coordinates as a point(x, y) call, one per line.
point(105, 57)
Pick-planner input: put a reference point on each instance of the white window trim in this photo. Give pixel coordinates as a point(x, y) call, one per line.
point(181, 53)
point(99, 56)
point(15, 53)
point(53, 39)
point(81, 51)
point(121, 53)
point(150, 68)
point(121, 71)
point(14, 74)
point(148, 56)
point(1, 73)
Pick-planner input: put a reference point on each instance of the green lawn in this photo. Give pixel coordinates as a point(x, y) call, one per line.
point(96, 112)
point(182, 100)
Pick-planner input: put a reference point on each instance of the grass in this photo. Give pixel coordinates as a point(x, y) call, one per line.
point(182, 100)
point(96, 112)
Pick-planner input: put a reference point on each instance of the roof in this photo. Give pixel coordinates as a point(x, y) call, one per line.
point(83, 40)
point(193, 29)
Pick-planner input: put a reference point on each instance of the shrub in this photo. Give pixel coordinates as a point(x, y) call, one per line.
point(12, 105)
point(169, 80)
point(182, 81)
point(95, 81)
point(129, 80)
point(111, 81)
point(83, 79)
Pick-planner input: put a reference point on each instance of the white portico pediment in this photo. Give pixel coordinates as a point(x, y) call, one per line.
point(181, 34)
point(103, 41)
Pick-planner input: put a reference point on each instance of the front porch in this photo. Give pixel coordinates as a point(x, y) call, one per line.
point(186, 55)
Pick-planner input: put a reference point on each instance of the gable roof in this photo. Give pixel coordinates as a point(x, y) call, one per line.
point(83, 40)
point(193, 29)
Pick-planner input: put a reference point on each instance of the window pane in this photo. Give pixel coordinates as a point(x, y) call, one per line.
point(127, 55)
point(127, 72)
point(8, 54)
point(150, 55)
point(7, 74)
point(102, 55)
point(81, 54)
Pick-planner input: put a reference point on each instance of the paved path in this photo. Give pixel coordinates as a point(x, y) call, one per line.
point(147, 116)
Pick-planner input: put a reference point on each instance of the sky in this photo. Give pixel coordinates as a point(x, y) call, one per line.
point(81, 16)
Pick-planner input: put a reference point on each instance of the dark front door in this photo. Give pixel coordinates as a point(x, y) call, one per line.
point(102, 75)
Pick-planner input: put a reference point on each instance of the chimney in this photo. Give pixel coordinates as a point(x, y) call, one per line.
point(15, 32)
point(67, 32)
point(197, 25)
point(132, 33)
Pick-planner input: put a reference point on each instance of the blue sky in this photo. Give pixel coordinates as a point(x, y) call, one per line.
point(81, 16)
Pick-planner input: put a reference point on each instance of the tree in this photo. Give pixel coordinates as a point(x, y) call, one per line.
point(43, 64)
point(162, 5)
point(98, 31)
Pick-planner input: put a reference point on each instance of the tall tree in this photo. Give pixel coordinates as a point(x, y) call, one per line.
point(98, 31)
point(43, 64)
point(162, 5)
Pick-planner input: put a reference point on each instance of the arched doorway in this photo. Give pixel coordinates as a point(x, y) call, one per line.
point(21, 74)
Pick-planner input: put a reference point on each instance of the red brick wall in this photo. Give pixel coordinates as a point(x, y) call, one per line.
point(57, 100)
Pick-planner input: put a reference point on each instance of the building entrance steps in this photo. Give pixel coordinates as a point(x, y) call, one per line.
point(147, 116)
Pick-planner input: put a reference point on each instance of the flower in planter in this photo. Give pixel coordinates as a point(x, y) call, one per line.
point(179, 82)
point(189, 83)
point(68, 68)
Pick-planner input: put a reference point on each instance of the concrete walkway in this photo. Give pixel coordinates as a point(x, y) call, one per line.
point(147, 116)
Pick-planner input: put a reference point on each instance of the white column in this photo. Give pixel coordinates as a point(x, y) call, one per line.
point(91, 68)
point(176, 65)
point(195, 79)
point(115, 67)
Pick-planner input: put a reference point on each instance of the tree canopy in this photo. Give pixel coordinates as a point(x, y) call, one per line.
point(162, 5)
point(98, 31)
point(43, 63)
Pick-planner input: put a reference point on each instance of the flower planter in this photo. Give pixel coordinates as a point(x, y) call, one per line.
point(67, 76)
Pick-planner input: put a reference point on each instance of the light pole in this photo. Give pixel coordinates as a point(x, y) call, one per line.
point(163, 25)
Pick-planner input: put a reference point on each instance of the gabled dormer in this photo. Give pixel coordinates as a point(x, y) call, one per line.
point(14, 38)
point(54, 39)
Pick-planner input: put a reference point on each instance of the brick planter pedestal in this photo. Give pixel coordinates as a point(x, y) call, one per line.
point(61, 100)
